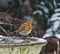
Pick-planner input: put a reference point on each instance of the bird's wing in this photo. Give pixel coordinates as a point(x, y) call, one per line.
point(22, 27)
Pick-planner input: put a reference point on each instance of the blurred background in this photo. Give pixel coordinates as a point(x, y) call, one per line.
point(44, 14)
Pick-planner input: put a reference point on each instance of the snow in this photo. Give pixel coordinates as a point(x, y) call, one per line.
point(56, 23)
point(1, 37)
point(56, 10)
point(37, 11)
point(52, 28)
point(57, 35)
point(15, 40)
point(41, 40)
point(43, 7)
point(4, 39)
point(42, 3)
point(49, 30)
point(55, 17)
point(49, 34)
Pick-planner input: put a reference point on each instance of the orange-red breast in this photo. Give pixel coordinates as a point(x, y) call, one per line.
point(25, 28)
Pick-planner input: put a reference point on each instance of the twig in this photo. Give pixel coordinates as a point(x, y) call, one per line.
point(4, 30)
point(5, 24)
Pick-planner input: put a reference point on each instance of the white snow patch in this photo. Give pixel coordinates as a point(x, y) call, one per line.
point(55, 25)
point(48, 33)
point(43, 7)
point(49, 30)
point(42, 3)
point(55, 17)
point(1, 37)
point(52, 28)
point(57, 35)
point(37, 11)
point(56, 10)
point(40, 40)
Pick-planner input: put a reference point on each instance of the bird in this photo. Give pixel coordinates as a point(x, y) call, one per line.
point(25, 28)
